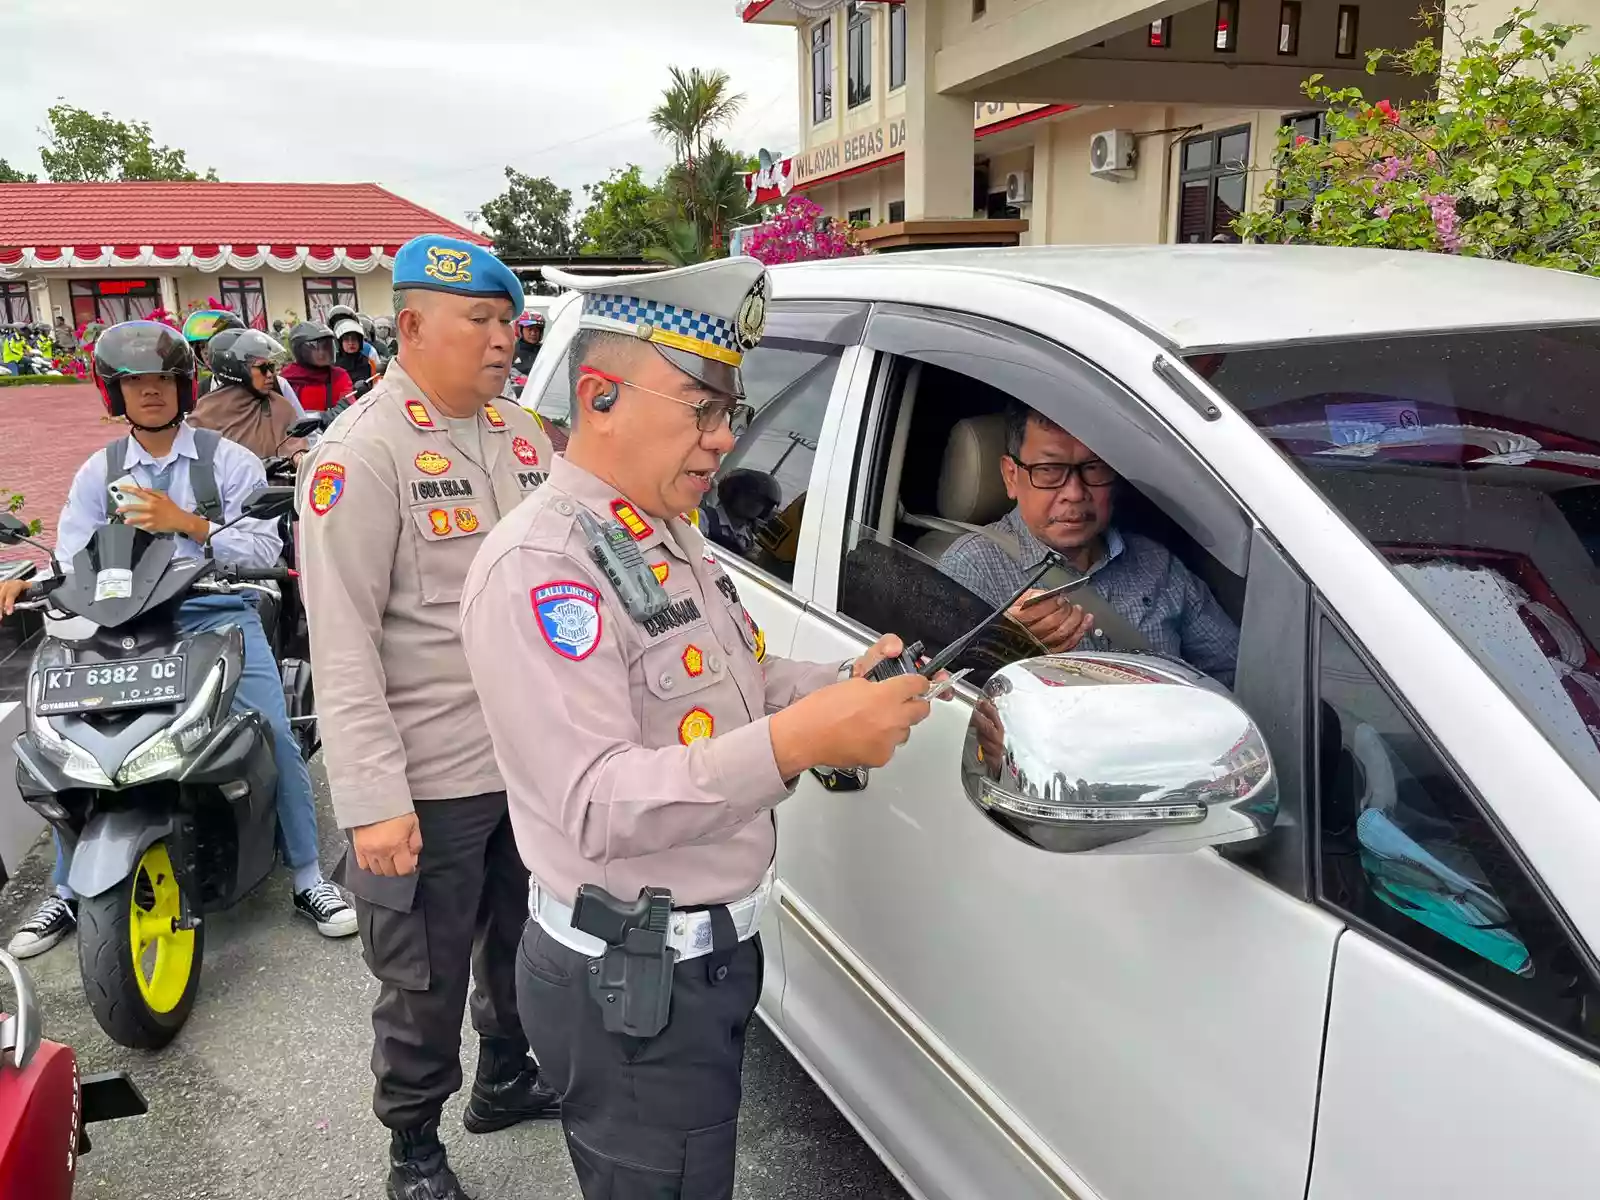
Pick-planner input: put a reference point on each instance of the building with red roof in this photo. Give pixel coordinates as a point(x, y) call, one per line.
point(271, 251)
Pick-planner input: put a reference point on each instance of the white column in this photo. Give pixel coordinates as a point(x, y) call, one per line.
point(1038, 213)
point(939, 144)
point(169, 294)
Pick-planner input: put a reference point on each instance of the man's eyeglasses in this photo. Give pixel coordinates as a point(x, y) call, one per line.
point(708, 414)
point(1048, 476)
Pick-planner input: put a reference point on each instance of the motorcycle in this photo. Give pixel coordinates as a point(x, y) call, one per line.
point(132, 753)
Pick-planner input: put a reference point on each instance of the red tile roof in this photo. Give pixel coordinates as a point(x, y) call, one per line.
point(293, 214)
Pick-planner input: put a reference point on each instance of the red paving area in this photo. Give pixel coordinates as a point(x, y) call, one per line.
point(47, 433)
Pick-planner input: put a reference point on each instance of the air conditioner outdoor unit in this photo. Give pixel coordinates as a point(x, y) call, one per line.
point(1019, 187)
point(1113, 153)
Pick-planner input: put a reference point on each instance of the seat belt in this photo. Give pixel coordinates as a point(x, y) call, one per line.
point(1117, 629)
point(202, 474)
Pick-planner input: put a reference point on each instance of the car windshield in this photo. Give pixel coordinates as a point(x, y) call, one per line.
point(1471, 462)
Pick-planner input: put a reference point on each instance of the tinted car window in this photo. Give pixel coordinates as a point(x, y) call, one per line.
point(1471, 462)
point(1406, 850)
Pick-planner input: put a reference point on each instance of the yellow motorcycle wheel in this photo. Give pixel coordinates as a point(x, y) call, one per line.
point(140, 971)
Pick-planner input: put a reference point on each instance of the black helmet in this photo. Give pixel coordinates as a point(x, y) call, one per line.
point(143, 348)
point(235, 351)
point(303, 336)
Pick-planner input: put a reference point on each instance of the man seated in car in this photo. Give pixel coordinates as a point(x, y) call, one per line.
point(1065, 499)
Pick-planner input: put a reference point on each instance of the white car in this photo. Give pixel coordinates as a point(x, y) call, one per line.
point(1093, 962)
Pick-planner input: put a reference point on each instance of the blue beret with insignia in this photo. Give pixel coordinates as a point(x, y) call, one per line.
point(445, 264)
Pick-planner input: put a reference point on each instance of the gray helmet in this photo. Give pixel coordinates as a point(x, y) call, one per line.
point(303, 336)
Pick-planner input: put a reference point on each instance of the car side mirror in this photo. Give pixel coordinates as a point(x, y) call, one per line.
point(13, 530)
point(304, 427)
point(269, 503)
point(1123, 752)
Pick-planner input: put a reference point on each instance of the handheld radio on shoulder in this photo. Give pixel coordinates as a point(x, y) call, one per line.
point(617, 554)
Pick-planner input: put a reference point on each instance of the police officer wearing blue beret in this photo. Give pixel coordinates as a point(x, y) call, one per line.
point(395, 502)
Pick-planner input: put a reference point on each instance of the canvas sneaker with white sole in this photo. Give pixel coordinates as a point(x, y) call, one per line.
point(325, 905)
point(51, 921)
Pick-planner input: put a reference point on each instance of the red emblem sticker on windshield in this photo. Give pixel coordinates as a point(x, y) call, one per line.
point(327, 485)
point(527, 453)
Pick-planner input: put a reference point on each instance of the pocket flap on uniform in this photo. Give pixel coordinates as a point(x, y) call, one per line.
point(683, 665)
point(440, 522)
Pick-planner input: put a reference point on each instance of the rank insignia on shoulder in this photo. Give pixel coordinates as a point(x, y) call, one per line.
point(527, 453)
point(758, 640)
point(327, 485)
point(466, 520)
point(661, 570)
point(697, 723)
point(431, 462)
point(492, 415)
point(636, 525)
point(440, 520)
point(569, 617)
point(417, 413)
point(694, 662)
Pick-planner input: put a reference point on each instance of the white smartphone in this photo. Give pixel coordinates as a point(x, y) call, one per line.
point(118, 489)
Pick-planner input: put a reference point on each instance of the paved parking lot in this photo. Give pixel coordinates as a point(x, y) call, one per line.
point(265, 1095)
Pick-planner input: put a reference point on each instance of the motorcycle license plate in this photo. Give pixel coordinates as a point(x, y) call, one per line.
point(102, 687)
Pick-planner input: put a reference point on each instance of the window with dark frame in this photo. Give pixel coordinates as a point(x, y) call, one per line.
point(1289, 27)
point(323, 293)
point(897, 46)
point(1227, 39)
point(822, 70)
point(1406, 851)
point(861, 216)
point(112, 301)
point(858, 54)
point(1349, 29)
point(1212, 181)
point(15, 307)
point(247, 298)
point(897, 211)
point(1161, 33)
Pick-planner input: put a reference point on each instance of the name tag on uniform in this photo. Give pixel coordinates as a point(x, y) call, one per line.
point(448, 488)
point(675, 616)
point(528, 480)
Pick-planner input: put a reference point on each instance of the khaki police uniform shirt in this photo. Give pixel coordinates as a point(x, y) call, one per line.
point(634, 753)
point(392, 511)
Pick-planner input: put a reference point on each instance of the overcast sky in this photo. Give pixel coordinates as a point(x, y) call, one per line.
point(431, 98)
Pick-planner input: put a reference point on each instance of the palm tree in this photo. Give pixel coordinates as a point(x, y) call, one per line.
point(692, 108)
point(680, 247)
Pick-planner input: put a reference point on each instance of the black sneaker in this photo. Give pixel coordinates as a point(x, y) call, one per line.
point(324, 904)
point(51, 921)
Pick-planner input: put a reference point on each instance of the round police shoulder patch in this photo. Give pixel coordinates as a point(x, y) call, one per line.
point(569, 617)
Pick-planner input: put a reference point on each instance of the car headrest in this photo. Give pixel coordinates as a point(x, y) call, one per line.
point(970, 487)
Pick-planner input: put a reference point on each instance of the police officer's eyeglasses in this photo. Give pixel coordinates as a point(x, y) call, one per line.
point(1049, 476)
point(709, 414)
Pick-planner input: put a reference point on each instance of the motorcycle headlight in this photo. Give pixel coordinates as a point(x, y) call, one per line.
point(164, 752)
point(75, 762)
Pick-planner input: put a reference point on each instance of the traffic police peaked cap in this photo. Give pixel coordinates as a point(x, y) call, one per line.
point(436, 263)
point(701, 318)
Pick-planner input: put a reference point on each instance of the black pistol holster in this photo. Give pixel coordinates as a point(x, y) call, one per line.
point(633, 985)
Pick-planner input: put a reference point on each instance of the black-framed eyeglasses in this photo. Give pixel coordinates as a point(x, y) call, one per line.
point(708, 414)
point(1049, 476)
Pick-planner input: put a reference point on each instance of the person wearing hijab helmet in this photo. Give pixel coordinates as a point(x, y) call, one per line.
point(318, 381)
point(247, 406)
point(352, 355)
point(143, 348)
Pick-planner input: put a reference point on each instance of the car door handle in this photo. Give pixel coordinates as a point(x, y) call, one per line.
point(841, 779)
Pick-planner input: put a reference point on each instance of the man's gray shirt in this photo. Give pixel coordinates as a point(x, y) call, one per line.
point(1143, 580)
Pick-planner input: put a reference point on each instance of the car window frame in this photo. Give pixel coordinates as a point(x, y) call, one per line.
point(1321, 611)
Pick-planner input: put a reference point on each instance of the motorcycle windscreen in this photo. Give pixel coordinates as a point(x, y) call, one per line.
point(116, 576)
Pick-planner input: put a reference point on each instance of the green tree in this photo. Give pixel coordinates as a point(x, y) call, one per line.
point(1501, 161)
point(712, 196)
point(680, 245)
point(9, 174)
point(625, 214)
point(85, 148)
point(532, 218)
point(694, 106)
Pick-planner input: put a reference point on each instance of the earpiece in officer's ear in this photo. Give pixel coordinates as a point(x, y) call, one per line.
point(604, 401)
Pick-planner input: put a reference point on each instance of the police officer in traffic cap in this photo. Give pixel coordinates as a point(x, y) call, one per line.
point(395, 501)
point(667, 734)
